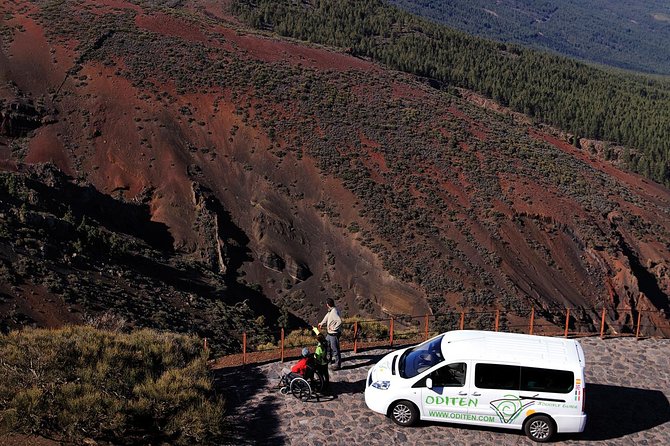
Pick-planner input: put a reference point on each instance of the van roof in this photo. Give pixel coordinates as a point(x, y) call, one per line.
point(540, 351)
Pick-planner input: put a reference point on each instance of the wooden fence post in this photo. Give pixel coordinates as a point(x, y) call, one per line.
point(567, 322)
point(639, 319)
point(532, 319)
point(462, 324)
point(282, 344)
point(244, 347)
point(602, 325)
point(391, 334)
point(497, 319)
point(426, 329)
point(355, 336)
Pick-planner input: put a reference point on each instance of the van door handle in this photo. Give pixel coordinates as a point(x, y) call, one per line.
point(462, 393)
point(476, 394)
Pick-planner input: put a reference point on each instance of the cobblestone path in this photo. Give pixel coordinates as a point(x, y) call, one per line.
point(628, 387)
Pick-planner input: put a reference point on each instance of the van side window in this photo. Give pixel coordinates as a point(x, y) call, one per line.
point(497, 376)
point(451, 375)
point(546, 380)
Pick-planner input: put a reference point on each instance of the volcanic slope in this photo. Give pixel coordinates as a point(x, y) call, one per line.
point(301, 172)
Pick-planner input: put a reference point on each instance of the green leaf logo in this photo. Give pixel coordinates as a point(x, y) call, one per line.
point(509, 407)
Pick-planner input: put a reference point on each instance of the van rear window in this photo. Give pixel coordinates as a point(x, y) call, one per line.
point(512, 377)
point(546, 380)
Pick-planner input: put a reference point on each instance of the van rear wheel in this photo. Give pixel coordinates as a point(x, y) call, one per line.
point(539, 428)
point(404, 413)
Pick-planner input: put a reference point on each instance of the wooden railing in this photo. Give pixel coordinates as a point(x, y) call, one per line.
point(405, 330)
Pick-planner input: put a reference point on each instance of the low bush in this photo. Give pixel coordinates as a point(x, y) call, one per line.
point(409, 333)
point(300, 338)
point(367, 330)
point(79, 382)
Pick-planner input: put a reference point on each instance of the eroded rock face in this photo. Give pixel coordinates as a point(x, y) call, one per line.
point(19, 117)
point(298, 270)
point(209, 248)
point(271, 260)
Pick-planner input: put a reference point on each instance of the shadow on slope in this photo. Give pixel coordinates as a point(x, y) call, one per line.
point(57, 189)
point(615, 411)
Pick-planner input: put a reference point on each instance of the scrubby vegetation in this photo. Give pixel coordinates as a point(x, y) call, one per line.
point(80, 383)
point(581, 99)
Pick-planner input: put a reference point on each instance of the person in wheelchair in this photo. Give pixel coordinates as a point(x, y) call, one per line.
point(304, 368)
point(303, 380)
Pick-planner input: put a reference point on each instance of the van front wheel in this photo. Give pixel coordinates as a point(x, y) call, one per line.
point(540, 428)
point(404, 413)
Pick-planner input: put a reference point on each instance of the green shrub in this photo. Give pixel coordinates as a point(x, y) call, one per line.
point(79, 382)
point(367, 330)
point(300, 338)
point(409, 333)
point(266, 347)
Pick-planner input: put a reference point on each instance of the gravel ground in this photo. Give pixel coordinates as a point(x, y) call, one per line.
point(628, 386)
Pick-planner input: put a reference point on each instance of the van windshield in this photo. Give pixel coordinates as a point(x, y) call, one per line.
point(418, 359)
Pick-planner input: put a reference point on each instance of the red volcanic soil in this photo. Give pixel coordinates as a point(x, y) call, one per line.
point(170, 26)
point(31, 62)
point(651, 191)
point(45, 146)
point(103, 6)
point(534, 199)
point(407, 91)
point(375, 160)
point(270, 49)
point(476, 128)
point(46, 310)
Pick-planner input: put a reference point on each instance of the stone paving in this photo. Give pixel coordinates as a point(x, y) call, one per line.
point(628, 387)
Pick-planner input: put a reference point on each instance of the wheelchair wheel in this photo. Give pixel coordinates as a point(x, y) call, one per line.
point(301, 389)
point(317, 382)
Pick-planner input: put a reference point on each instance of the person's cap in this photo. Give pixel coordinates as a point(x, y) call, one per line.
point(305, 351)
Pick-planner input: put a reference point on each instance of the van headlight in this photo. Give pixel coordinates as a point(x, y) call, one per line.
point(381, 385)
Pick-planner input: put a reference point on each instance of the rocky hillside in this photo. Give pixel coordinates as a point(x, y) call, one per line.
point(228, 170)
point(71, 255)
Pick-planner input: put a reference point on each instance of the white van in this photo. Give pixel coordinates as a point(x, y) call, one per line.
point(483, 378)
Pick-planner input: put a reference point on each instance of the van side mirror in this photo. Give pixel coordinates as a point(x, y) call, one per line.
point(429, 383)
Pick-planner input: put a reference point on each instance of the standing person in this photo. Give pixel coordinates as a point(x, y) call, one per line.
point(333, 323)
point(322, 360)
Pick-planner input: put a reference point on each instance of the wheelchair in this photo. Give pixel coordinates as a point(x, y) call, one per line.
point(302, 387)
